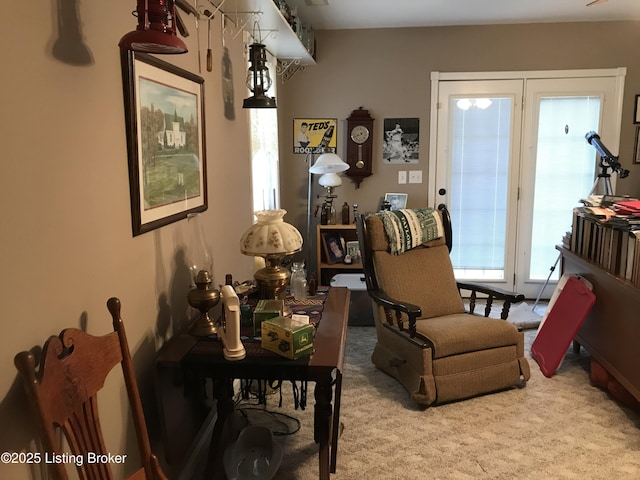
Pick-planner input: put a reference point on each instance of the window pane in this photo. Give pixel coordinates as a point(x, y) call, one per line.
point(564, 174)
point(480, 147)
point(264, 151)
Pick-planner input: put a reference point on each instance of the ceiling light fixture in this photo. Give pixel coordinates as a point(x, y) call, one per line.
point(467, 103)
point(156, 30)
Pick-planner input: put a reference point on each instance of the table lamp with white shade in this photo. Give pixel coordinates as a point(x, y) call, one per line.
point(272, 239)
point(328, 166)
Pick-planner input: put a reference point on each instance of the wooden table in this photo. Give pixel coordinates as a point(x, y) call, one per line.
point(324, 368)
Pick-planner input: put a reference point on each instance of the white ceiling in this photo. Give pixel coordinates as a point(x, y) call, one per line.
point(344, 14)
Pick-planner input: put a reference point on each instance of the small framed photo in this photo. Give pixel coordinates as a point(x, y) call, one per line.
point(353, 250)
point(636, 149)
point(636, 111)
point(333, 246)
point(397, 200)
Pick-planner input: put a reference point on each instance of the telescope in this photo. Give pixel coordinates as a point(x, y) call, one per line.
point(607, 159)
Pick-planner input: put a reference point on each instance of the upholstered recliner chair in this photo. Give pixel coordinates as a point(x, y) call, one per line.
point(425, 339)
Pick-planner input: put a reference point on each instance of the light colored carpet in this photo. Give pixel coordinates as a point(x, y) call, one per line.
point(555, 428)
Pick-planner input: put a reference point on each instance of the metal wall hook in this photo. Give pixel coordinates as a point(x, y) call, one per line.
point(256, 24)
point(208, 14)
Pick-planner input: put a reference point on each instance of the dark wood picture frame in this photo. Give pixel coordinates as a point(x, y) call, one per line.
point(636, 111)
point(636, 147)
point(333, 246)
point(164, 115)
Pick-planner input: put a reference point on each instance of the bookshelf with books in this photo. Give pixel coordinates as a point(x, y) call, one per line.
point(611, 331)
point(604, 247)
point(610, 241)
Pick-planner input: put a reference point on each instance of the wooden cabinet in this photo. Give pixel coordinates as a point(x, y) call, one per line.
point(332, 244)
point(611, 331)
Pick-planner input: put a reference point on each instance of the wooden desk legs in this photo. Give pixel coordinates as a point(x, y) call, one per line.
point(223, 393)
point(327, 423)
point(336, 421)
point(322, 423)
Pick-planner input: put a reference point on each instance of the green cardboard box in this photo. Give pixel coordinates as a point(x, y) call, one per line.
point(266, 309)
point(289, 338)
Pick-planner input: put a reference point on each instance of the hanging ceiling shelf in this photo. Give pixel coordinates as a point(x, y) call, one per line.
point(278, 36)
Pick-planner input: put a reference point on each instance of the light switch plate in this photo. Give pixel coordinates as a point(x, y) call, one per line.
point(402, 176)
point(415, 176)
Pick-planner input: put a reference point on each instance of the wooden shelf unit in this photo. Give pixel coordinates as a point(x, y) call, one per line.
point(327, 270)
point(611, 331)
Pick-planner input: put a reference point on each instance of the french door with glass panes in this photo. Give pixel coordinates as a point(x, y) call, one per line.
point(512, 162)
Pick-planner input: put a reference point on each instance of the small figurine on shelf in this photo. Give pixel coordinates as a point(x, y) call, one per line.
point(355, 212)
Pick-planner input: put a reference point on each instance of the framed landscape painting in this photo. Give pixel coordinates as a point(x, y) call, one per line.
point(164, 113)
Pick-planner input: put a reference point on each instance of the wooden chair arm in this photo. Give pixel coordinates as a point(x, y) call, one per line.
point(412, 311)
point(493, 293)
point(497, 293)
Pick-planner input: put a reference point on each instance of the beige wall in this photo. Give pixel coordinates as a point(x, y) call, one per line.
point(388, 73)
point(66, 235)
point(65, 223)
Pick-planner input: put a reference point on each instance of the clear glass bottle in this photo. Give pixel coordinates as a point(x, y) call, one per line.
point(298, 281)
point(198, 253)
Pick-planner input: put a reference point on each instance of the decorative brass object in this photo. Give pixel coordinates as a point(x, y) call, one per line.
point(272, 280)
point(203, 298)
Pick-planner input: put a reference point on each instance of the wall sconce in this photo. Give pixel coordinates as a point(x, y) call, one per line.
point(156, 30)
point(258, 79)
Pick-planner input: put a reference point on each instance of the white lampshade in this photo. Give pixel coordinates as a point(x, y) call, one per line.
point(271, 235)
point(329, 163)
point(330, 180)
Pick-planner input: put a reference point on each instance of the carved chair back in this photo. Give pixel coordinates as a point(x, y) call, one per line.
point(63, 396)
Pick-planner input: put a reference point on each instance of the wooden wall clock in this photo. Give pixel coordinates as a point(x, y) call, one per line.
point(359, 145)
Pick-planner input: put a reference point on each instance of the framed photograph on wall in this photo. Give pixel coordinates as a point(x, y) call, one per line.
point(398, 201)
point(164, 114)
point(636, 110)
point(636, 149)
point(333, 246)
point(401, 142)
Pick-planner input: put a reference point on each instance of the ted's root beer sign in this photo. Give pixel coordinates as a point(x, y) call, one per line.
point(313, 135)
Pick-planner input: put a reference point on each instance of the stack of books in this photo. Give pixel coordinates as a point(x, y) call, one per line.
point(609, 236)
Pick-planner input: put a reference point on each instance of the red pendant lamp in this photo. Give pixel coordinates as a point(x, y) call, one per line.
point(156, 30)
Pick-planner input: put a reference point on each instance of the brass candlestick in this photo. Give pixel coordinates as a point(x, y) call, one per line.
point(203, 298)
